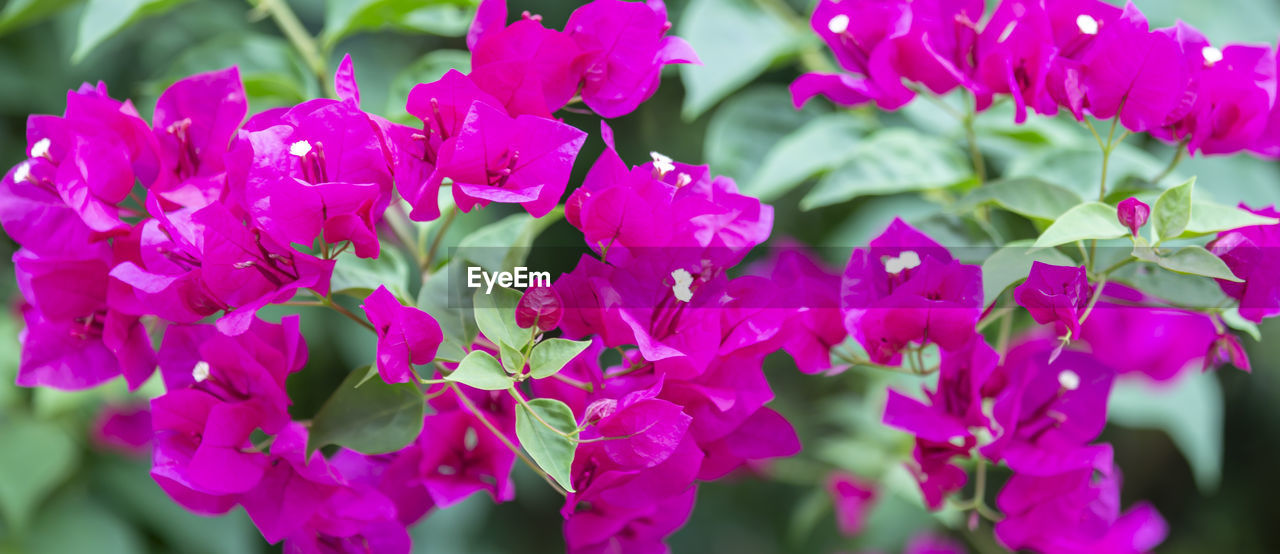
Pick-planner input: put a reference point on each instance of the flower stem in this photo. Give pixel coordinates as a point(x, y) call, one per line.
point(298, 36)
point(1178, 152)
point(466, 402)
point(430, 257)
point(328, 301)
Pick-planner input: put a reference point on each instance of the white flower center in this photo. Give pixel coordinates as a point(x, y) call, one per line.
point(683, 179)
point(41, 148)
point(22, 173)
point(906, 260)
point(838, 24)
point(1087, 24)
point(300, 148)
point(957, 442)
point(662, 164)
point(681, 287)
point(1211, 55)
point(1069, 379)
point(201, 371)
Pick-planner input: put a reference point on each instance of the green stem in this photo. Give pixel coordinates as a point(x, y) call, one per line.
point(328, 301)
point(1093, 300)
point(297, 34)
point(1178, 152)
point(430, 257)
point(466, 402)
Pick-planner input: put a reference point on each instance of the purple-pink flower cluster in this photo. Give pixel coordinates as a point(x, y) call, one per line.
point(1082, 56)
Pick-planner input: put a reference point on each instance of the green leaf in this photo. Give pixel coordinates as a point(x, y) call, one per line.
point(1090, 220)
point(504, 244)
point(736, 40)
point(747, 125)
point(551, 355)
point(76, 522)
point(1191, 260)
point(1208, 217)
point(1172, 210)
point(1078, 168)
point(20, 13)
point(450, 309)
point(1188, 291)
point(369, 415)
point(1189, 410)
point(512, 359)
point(426, 69)
point(103, 18)
point(273, 74)
point(37, 457)
point(1025, 196)
point(496, 317)
point(1234, 320)
point(482, 371)
point(360, 276)
point(889, 161)
point(552, 451)
point(820, 146)
point(444, 18)
point(1012, 263)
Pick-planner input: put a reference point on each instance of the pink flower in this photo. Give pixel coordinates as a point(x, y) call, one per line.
point(406, 335)
point(539, 306)
point(1133, 213)
point(1247, 252)
point(853, 499)
point(1055, 294)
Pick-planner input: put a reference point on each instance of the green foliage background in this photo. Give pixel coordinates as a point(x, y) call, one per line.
point(59, 493)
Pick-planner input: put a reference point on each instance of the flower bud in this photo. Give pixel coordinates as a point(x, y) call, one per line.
point(1133, 214)
point(539, 305)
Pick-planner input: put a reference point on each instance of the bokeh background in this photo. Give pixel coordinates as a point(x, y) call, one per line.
point(62, 492)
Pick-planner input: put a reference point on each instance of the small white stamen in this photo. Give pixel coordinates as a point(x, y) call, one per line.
point(683, 179)
point(300, 148)
point(838, 24)
point(22, 173)
point(1007, 31)
point(906, 260)
point(1211, 55)
point(1087, 24)
point(1069, 379)
point(662, 164)
point(681, 287)
point(41, 148)
point(201, 371)
point(957, 442)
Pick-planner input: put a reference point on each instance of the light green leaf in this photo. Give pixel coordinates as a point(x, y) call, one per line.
point(39, 455)
point(1208, 217)
point(1012, 263)
point(426, 69)
point(747, 125)
point(504, 244)
point(360, 276)
point(444, 18)
point(736, 40)
point(1025, 196)
point(1189, 410)
point(551, 355)
point(1172, 210)
point(496, 317)
point(1191, 260)
point(552, 451)
point(482, 371)
point(818, 147)
point(20, 13)
point(512, 360)
point(889, 161)
point(1234, 320)
point(1090, 220)
point(103, 18)
point(370, 416)
point(1078, 168)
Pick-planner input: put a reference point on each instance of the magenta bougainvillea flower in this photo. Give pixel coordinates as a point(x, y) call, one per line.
point(853, 499)
point(540, 306)
point(194, 122)
point(1246, 252)
point(1055, 294)
point(862, 36)
point(1133, 213)
point(406, 335)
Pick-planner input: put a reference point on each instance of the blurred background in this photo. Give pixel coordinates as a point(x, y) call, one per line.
point(1213, 476)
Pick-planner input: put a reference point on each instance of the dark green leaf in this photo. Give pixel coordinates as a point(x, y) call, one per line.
point(551, 355)
point(426, 69)
point(38, 455)
point(361, 276)
point(1012, 263)
point(1172, 210)
point(747, 125)
point(375, 417)
point(552, 451)
point(504, 244)
point(445, 18)
point(1090, 220)
point(103, 18)
point(482, 371)
point(735, 40)
point(819, 146)
point(1189, 410)
point(496, 316)
point(20, 13)
point(273, 74)
point(1025, 196)
point(889, 161)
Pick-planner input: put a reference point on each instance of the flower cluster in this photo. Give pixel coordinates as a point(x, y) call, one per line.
point(1082, 56)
